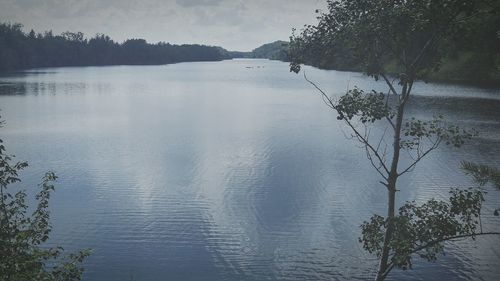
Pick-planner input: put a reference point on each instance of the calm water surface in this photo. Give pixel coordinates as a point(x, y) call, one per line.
point(230, 170)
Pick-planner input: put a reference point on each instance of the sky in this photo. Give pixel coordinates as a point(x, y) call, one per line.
point(233, 24)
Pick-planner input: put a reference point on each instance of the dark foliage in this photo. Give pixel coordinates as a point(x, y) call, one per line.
point(277, 50)
point(470, 52)
point(20, 50)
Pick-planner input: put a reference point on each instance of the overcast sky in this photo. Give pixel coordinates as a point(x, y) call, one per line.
point(233, 24)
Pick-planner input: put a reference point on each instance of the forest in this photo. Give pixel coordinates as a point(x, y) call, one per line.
point(20, 50)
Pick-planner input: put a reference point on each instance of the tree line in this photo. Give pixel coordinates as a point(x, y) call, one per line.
point(21, 50)
point(470, 54)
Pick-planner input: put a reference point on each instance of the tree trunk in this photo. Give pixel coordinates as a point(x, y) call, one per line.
point(391, 189)
point(384, 258)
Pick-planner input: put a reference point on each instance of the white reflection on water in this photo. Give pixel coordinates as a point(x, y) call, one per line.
point(213, 171)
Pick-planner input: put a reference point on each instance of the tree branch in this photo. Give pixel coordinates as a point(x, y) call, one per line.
point(377, 168)
point(422, 51)
point(326, 98)
point(393, 90)
point(368, 145)
point(388, 270)
point(420, 157)
point(419, 248)
point(329, 102)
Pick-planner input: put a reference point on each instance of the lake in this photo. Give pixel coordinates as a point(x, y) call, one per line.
point(232, 170)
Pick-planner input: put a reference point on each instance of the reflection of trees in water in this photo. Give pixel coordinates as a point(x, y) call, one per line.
point(46, 88)
point(462, 108)
point(12, 89)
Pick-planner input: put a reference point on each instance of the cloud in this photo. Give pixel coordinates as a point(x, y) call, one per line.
point(233, 24)
point(193, 3)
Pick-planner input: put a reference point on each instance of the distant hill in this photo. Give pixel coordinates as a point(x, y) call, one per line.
point(277, 50)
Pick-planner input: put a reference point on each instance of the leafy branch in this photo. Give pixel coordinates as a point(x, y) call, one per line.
point(22, 255)
point(422, 229)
